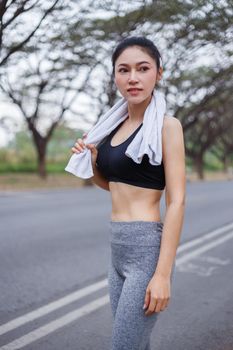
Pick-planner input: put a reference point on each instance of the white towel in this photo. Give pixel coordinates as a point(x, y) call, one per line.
point(148, 139)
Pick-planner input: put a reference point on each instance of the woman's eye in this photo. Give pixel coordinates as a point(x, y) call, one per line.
point(144, 69)
point(124, 70)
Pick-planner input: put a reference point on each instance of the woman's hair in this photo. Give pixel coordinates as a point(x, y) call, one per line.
point(146, 44)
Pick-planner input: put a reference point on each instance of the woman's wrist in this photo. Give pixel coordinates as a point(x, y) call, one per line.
point(94, 166)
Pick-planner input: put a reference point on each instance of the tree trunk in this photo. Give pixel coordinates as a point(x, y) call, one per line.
point(226, 163)
point(41, 145)
point(41, 166)
point(199, 166)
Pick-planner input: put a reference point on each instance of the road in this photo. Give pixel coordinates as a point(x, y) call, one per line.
point(54, 252)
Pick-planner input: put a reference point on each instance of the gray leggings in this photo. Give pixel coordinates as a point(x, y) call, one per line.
point(135, 247)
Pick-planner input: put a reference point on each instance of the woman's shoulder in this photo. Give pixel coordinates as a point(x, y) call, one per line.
point(171, 122)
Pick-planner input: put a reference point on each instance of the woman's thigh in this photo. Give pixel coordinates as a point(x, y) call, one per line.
point(115, 285)
point(131, 327)
point(135, 248)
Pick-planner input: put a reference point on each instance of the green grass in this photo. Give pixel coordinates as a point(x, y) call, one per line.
point(31, 168)
point(18, 168)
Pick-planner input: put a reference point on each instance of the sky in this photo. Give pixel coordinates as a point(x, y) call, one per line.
point(7, 109)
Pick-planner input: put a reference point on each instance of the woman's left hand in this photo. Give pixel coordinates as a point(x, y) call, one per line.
point(158, 293)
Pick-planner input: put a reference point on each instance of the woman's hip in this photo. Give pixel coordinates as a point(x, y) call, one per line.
point(135, 246)
point(135, 233)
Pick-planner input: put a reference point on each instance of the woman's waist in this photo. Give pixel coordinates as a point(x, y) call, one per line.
point(136, 210)
point(136, 232)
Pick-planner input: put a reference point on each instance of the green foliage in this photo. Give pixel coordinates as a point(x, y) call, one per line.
point(211, 162)
point(20, 155)
point(198, 87)
point(63, 139)
point(20, 149)
point(18, 168)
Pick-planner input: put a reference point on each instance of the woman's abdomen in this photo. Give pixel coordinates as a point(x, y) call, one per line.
point(134, 203)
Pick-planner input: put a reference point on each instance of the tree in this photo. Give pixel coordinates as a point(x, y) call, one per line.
point(43, 93)
point(196, 90)
point(13, 19)
point(44, 80)
point(208, 121)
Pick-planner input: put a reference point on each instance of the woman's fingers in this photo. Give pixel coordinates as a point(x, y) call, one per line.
point(94, 151)
point(155, 304)
point(80, 143)
point(164, 304)
point(79, 146)
point(147, 299)
point(151, 307)
point(159, 305)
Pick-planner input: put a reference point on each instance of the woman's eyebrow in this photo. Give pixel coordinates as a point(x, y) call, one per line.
point(138, 63)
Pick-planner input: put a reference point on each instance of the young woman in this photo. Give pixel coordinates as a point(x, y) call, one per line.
point(143, 248)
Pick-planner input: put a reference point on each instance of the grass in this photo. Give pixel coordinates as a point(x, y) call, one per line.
point(31, 168)
point(13, 181)
point(24, 181)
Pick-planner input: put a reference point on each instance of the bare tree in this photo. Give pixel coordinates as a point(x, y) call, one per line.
point(12, 18)
point(214, 123)
point(43, 96)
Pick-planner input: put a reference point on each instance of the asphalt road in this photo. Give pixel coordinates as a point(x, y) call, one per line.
point(54, 252)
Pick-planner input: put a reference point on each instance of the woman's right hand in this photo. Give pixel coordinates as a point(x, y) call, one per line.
point(79, 146)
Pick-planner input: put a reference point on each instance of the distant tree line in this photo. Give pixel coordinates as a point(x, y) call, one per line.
point(54, 55)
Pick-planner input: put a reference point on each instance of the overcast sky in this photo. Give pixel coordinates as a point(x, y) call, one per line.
point(204, 56)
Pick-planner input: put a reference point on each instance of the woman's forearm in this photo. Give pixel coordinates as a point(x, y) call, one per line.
point(99, 180)
point(172, 228)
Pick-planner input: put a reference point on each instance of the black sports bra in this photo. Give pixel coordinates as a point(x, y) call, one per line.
point(115, 166)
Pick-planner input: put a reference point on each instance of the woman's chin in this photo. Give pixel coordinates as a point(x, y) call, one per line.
point(136, 99)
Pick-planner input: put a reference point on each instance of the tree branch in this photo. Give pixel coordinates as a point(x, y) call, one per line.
point(22, 43)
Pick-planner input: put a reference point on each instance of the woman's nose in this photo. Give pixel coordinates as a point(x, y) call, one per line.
point(133, 76)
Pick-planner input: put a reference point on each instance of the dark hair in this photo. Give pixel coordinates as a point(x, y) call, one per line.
point(143, 42)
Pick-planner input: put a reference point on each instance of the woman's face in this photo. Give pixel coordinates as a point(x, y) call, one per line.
point(136, 74)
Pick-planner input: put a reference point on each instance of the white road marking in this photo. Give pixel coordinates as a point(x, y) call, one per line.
point(214, 260)
point(204, 238)
point(94, 305)
point(190, 255)
point(197, 269)
point(56, 324)
point(55, 305)
point(201, 269)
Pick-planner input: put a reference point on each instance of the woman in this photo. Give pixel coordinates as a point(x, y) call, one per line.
point(143, 248)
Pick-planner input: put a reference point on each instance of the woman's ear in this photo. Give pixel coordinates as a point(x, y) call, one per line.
point(160, 73)
point(159, 77)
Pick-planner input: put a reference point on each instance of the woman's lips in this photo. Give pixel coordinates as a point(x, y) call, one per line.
point(134, 91)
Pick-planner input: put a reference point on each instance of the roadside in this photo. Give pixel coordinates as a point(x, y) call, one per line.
point(24, 181)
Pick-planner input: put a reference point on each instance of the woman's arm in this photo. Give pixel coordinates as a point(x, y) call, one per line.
point(174, 165)
point(158, 291)
point(98, 179)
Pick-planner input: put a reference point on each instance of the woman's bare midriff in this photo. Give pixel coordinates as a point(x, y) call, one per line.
point(131, 203)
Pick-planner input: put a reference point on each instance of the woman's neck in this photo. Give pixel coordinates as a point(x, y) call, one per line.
point(136, 111)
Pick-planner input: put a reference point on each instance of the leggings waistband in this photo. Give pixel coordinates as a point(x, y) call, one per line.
point(138, 232)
